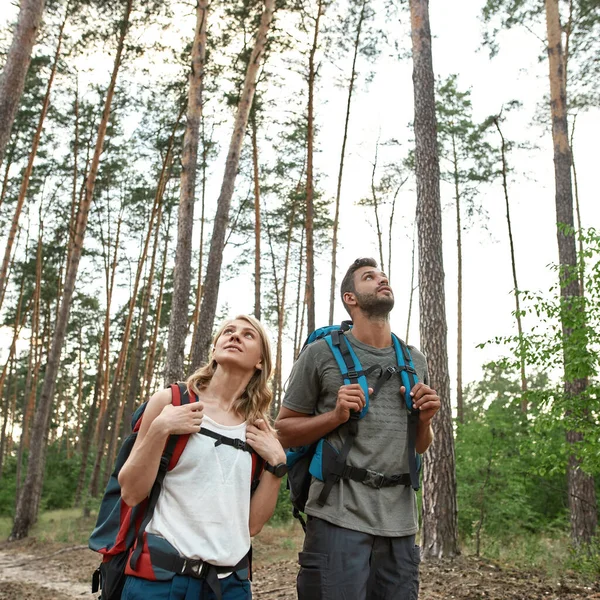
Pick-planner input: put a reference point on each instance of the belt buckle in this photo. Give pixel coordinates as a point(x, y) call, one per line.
point(374, 479)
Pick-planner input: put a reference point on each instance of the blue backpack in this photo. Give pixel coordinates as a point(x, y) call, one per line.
point(320, 459)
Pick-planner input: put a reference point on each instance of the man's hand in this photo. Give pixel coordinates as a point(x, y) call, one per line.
point(350, 398)
point(425, 400)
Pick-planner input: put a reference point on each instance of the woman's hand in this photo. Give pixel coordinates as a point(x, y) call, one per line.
point(180, 420)
point(264, 442)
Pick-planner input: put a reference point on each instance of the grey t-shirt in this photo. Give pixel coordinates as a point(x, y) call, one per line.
point(381, 444)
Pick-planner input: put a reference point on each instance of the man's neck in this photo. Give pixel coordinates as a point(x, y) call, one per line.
point(374, 332)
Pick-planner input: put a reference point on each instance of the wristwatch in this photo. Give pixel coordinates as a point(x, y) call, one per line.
point(278, 470)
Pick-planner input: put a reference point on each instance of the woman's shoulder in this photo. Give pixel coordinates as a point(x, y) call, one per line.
point(161, 398)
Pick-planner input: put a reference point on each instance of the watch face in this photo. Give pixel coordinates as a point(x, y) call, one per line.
point(280, 470)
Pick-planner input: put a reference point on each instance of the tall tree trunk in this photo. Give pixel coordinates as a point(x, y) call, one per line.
point(134, 378)
point(513, 263)
point(257, 223)
point(336, 219)
point(16, 331)
point(26, 510)
point(412, 283)
point(460, 410)
point(178, 324)
point(12, 79)
point(29, 167)
point(310, 134)
point(439, 535)
point(376, 209)
point(582, 495)
point(199, 286)
point(149, 368)
point(215, 256)
point(577, 212)
point(300, 302)
point(103, 374)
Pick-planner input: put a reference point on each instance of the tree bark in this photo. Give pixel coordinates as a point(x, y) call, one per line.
point(178, 324)
point(29, 167)
point(583, 504)
point(257, 222)
point(12, 79)
point(336, 218)
point(215, 257)
point(513, 263)
point(460, 411)
point(27, 505)
point(439, 534)
point(310, 134)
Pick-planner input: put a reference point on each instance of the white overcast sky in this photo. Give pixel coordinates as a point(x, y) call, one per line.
point(382, 110)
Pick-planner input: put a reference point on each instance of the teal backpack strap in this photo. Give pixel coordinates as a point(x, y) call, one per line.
point(409, 380)
point(350, 367)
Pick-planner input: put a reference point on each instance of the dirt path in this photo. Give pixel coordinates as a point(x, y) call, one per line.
point(31, 570)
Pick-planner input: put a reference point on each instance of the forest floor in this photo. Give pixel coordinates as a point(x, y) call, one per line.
point(42, 568)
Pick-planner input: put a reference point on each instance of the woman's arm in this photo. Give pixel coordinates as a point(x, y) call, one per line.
point(264, 441)
point(160, 420)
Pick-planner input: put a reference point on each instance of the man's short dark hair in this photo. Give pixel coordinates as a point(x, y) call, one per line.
point(347, 284)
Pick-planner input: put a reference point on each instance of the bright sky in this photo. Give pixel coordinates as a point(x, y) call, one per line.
point(382, 110)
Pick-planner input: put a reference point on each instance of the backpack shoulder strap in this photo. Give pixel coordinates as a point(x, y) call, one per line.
point(173, 449)
point(409, 378)
point(349, 364)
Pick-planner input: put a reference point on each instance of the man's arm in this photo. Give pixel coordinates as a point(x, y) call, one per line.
point(299, 429)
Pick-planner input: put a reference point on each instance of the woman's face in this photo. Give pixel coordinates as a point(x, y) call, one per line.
point(239, 345)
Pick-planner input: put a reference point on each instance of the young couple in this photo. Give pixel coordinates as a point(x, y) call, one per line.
point(361, 543)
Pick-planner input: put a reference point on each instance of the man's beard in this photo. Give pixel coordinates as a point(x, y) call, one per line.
point(374, 306)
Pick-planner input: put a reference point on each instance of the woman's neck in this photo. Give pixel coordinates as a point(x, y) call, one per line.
point(220, 395)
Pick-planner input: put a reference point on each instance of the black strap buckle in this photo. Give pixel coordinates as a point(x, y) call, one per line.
point(374, 479)
point(352, 374)
point(194, 568)
point(239, 444)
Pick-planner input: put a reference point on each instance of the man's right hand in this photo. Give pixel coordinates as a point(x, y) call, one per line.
point(350, 398)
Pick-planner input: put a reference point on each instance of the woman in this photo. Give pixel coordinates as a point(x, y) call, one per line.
point(205, 515)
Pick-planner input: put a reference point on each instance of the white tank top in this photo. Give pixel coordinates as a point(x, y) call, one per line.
point(203, 509)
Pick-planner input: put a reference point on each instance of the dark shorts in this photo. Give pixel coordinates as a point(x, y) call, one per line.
point(341, 564)
point(182, 587)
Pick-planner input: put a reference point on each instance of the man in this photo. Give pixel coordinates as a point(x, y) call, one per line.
point(361, 543)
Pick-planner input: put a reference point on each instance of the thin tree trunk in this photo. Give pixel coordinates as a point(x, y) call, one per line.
point(35, 354)
point(12, 79)
point(310, 134)
point(104, 358)
point(199, 287)
point(16, 330)
point(583, 504)
point(26, 510)
point(412, 283)
point(178, 324)
point(281, 304)
point(439, 533)
point(460, 410)
point(149, 369)
point(215, 257)
point(300, 303)
point(134, 378)
point(257, 223)
point(29, 167)
point(513, 263)
point(9, 162)
point(336, 218)
point(578, 213)
point(376, 209)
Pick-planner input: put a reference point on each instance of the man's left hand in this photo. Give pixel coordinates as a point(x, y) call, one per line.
point(425, 400)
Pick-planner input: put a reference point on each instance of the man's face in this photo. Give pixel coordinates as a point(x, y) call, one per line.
point(373, 294)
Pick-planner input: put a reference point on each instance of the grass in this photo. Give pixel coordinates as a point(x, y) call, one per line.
point(67, 526)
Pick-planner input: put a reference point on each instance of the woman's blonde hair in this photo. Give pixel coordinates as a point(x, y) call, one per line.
point(255, 402)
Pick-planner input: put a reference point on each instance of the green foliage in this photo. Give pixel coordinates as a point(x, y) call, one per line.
point(283, 509)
